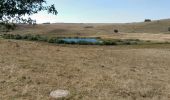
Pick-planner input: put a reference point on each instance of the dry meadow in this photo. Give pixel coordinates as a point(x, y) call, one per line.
point(31, 70)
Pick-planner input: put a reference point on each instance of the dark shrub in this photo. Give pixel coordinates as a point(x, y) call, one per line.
point(122, 42)
point(169, 29)
point(126, 43)
point(17, 37)
point(43, 38)
point(116, 30)
point(8, 36)
point(147, 20)
point(61, 41)
point(130, 41)
point(27, 36)
point(6, 27)
point(32, 38)
point(37, 37)
point(109, 42)
point(47, 23)
point(2, 27)
point(52, 40)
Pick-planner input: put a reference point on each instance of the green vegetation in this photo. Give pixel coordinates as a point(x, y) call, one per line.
point(124, 42)
point(169, 29)
point(0, 36)
point(25, 37)
point(59, 40)
point(7, 27)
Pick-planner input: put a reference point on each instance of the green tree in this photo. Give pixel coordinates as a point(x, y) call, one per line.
point(14, 10)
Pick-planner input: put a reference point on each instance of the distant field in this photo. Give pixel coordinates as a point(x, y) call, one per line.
point(30, 70)
point(156, 30)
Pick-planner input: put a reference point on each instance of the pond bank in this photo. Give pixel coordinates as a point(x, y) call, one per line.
point(78, 40)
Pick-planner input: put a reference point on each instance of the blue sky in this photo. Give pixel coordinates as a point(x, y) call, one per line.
point(105, 11)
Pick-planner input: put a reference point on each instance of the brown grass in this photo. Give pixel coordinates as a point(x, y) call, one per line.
point(155, 31)
point(30, 71)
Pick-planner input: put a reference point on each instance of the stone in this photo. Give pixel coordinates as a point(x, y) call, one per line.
point(59, 94)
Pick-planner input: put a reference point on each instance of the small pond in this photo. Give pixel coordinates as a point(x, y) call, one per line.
point(78, 40)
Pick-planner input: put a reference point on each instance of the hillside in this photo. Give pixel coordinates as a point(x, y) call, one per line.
point(158, 26)
point(155, 30)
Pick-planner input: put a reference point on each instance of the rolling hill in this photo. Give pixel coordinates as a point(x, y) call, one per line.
point(157, 26)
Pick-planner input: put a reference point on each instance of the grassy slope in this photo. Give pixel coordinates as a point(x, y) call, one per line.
point(159, 26)
point(143, 31)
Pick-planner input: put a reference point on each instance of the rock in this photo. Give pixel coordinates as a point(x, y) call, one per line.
point(59, 94)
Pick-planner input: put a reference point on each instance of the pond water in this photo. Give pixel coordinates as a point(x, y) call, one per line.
point(77, 40)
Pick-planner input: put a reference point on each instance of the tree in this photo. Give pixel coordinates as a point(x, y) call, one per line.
point(147, 20)
point(14, 10)
point(116, 30)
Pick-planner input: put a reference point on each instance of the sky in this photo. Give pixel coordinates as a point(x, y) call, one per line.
point(105, 11)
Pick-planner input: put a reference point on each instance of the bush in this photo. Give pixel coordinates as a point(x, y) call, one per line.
point(8, 36)
point(46, 23)
point(147, 20)
point(52, 40)
point(43, 38)
point(169, 29)
point(17, 37)
point(116, 30)
point(127, 42)
point(38, 38)
point(61, 41)
point(2, 27)
point(25, 37)
point(32, 38)
point(121, 42)
point(6, 27)
point(109, 42)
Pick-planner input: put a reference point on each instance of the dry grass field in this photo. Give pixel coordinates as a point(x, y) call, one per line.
point(31, 70)
point(155, 30)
